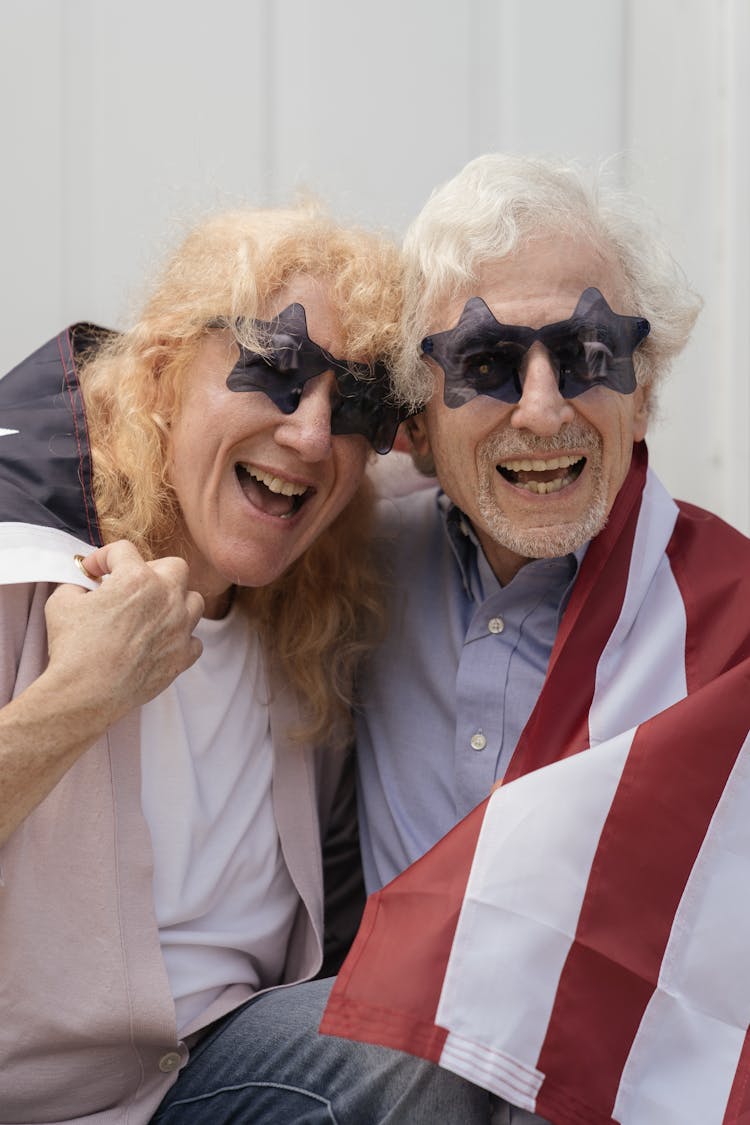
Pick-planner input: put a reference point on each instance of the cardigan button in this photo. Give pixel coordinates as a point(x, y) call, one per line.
point(169, 1062)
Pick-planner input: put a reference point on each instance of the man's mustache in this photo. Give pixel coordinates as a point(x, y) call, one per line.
point(514, 443)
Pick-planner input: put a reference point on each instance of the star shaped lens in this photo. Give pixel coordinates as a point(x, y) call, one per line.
point(481, 356)
point(361, 404)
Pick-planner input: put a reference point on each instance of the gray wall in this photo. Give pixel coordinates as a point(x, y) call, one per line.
point(120, 122)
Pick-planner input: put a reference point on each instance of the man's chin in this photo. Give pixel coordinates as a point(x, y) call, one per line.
point(552, 544)
point(549, 541)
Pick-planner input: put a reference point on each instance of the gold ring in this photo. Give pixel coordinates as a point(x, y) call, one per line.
point(78, 560)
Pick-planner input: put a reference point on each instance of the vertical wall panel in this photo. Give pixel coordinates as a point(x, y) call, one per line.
point(734, 324)
point(558, 75)
point(678, 138)
point(374, 107)
point(163, 119)
point(31, 217)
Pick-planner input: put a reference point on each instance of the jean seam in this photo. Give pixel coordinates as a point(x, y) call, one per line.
point(246, 1086)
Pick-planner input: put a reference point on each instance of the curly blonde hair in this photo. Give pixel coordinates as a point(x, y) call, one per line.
point(317, 617)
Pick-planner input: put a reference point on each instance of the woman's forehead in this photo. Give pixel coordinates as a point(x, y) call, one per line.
point(323, 319)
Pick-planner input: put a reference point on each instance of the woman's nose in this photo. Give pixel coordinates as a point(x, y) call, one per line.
point(308, 428)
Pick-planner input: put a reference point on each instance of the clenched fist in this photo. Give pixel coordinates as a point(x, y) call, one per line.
point(124, 642)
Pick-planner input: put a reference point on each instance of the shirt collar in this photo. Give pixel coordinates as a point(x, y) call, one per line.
point(476, 573)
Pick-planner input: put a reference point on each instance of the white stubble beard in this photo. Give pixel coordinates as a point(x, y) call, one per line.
point(555, 540)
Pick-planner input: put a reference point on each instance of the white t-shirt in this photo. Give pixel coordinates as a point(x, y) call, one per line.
point(224, 899)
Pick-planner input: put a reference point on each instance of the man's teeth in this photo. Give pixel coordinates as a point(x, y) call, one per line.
point(539, 466)
point(512, 468)
point(275, 484)
point(542, 487)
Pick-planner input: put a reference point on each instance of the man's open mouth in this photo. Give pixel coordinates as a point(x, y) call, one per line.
point(271, 494)
point(541, 476)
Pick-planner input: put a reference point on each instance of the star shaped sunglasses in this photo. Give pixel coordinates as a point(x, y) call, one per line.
point(481, 356)
point(361, 403)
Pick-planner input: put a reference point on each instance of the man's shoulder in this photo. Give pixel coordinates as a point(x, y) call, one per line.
point(710, 561)
point(707, 539)
point(414, 511)
point(410, 534)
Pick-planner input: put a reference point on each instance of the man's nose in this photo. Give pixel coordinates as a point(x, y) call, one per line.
point(307, 429)
point(542, 409)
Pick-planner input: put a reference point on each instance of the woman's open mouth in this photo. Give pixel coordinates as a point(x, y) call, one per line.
point(271, 494)
point(541, 476)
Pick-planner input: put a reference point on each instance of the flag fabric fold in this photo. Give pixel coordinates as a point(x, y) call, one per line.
point(577, 945)
point(47, 507)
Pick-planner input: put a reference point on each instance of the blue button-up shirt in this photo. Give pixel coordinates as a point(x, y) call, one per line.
point(445, 698)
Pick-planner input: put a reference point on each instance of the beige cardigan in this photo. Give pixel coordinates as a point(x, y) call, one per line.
point(87, 1022)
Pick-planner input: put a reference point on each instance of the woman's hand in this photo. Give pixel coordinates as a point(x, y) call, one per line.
point(124, 642)
point(110, 649)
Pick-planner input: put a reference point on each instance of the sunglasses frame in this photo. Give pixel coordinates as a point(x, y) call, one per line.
point(291, 358)
point(611, 337)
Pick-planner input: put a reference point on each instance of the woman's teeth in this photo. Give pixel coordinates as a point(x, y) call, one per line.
point(275, 484)
point(269, 493)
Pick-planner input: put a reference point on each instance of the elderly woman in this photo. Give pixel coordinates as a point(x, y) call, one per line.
point(185, 591)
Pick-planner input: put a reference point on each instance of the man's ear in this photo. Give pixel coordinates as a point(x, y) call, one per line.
point(421, 453)
point(417, 432)
point(642, 412)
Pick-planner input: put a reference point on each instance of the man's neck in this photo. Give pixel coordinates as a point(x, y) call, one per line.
point(504, 562)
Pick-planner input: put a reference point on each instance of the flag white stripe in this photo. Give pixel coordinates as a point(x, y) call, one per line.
point(703, 1003)
point(493, 1070)
point(641, 670)
point(545, 827)
point(29, 553)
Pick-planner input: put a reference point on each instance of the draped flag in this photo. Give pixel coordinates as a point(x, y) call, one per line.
point(578, 944)
point(47, 510)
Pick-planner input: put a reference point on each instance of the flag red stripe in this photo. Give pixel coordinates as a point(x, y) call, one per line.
point(738, 1106)
point(703, 545)
point(676, 771)
point(417, 911)
point(590, 617)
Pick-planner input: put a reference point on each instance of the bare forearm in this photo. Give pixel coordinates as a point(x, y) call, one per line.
point(42, 734)
point(110, 650)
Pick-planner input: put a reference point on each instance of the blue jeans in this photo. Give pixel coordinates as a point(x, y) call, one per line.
point(266, 1064)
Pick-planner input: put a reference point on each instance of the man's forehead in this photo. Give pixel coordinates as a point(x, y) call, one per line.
point(539, 284)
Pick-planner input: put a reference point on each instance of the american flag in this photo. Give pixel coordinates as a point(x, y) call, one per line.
point(47, 509)
point(579, 943)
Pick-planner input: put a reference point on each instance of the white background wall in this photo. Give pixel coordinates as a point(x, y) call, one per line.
point(119, 122)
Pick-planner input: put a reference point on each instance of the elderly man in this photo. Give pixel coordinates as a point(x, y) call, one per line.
point(538, 325)
point(548, 597)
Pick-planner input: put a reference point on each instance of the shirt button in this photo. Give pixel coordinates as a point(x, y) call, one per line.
point(478, 741)
point(169, 1062)
point(496, 625)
